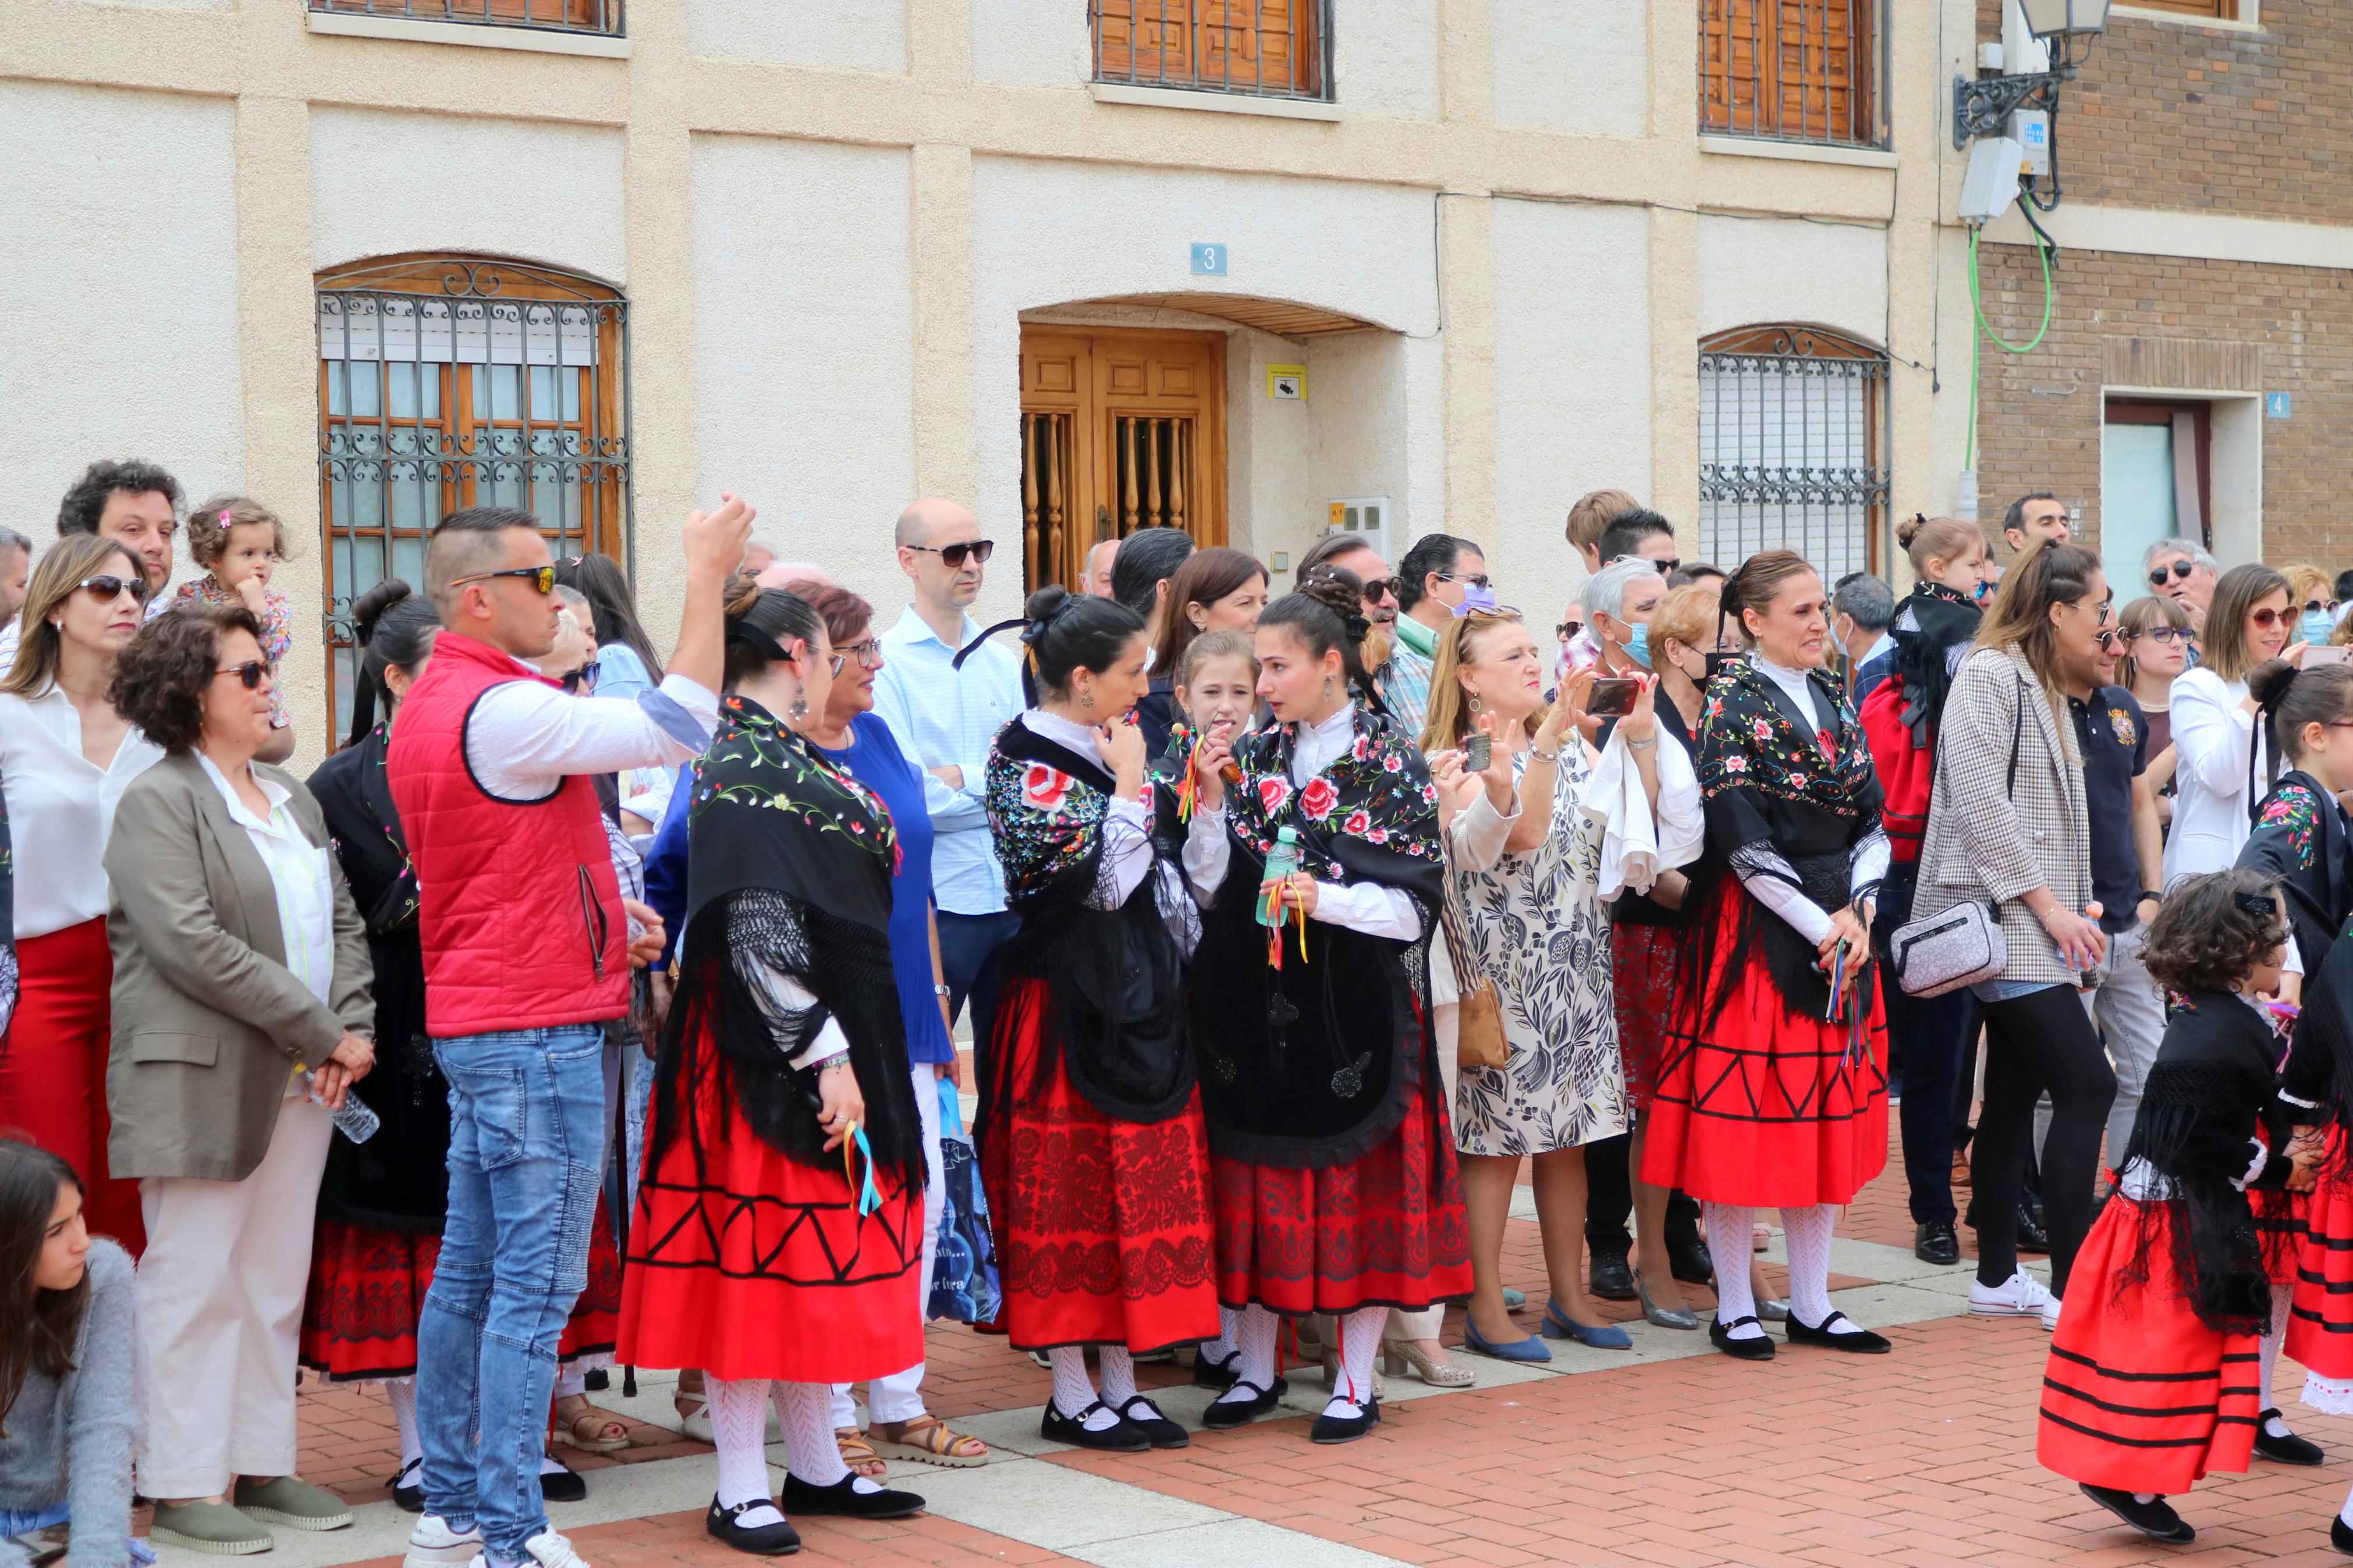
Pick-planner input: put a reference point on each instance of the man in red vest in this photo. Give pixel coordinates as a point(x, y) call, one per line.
point(527, 954)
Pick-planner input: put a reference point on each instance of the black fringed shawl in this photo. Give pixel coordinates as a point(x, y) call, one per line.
point(1313, 1064)
point(2208, 1090)
point(1115, 977)
point(1931, 622)
point(2317, 1084)
point(789, 866)
point(1781, 803)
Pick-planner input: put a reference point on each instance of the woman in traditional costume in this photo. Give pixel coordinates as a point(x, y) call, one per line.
point(778, 1236)
point(1774, 1086)
point(1331, 1153)
point(1090, 1131)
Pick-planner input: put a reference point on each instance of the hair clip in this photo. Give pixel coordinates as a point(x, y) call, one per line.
point(2256, 903)
point(224, 517)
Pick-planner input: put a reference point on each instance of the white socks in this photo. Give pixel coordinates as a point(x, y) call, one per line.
point(402, 1392)
point(1808, 1233)
point(1254, 1331)
point(2270, 1349)
point(1074, 1391)
point(1118, 1375)
point(1360, 1337)
point(569, 1383)
point(739, 1431)
point(1216, 1351)
point(1729, 1244)
point(812, 1452)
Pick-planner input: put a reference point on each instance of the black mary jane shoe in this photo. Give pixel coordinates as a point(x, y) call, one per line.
point(724, 1525)
point(1934, 1242)
point(845, 1499)
point(2341, 1535)
point(1760, 1348)
point(1330, 1428)
point(1225, 1413)
point(1612, 1278)
point(1689, 1260)
point(409, 1498)
point(562, 1486)
point(1863, 1341)
point(2154, 1519)
point(1147, 1417)
point(1124, 1437)
point(1217, 1374)
point(2288, 1450)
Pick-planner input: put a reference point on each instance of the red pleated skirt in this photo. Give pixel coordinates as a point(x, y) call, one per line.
point(761, 1267)
point(1644, 959)
point(2138, 1394)
point(368, 1286)
point(1758, 1104)
point(2320, 1320)
point(1102, 1227)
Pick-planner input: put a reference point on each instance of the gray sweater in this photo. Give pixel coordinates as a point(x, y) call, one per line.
point(69, 1438)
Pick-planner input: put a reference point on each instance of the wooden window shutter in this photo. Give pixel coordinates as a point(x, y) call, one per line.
point(1792, 70)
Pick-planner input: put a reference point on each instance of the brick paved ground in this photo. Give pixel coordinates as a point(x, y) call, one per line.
point(1921, 1458)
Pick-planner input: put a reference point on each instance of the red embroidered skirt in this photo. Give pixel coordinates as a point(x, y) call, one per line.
point(1102, 1227)
point(762, 1267)
point(2320, 1320)
point(368, 1286)
point(1643, 961)
point(1757, 1104)
point(2138, 1394)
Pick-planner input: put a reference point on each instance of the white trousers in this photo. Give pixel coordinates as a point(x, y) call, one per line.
point(220, 1297)
point(1446, 1024)
point(899, 1396)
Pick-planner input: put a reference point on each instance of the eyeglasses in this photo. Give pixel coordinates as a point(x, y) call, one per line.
point(1564, 630)
point(2269, 618)
point(1491, 612)
point(543, 577)
point(1380, 588)
point(1666, 568)
point(584, 676)
point(869, 655)
point(2316, 607)
point(249, 675)
point(1476, 579)
point(2162, 635)
point(2107, 639)
point(107, 587)
point(2182, 570)
point(953, 556)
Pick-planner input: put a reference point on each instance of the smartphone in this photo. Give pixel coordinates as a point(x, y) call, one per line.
point(1479, 753)
point(1612, 697)
point(2322, 653)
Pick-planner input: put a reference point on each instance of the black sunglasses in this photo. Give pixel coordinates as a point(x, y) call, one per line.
point(249, 675)
point(1476, 579)
point(2182, 570)
point(953, 556)
point(1380, 588)
point(106, 586)
point(584, 676)
point(544, 577)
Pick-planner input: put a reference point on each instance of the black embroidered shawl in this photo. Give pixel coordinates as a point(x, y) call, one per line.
point(1931, 622)
point(2300, 838)
point(1313, 1063)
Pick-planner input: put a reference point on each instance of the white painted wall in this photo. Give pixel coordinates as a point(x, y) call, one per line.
point(1035, 43)
point(384, 183)
point(1572, 381)
point(845, 35)
point(119, 318)
point(1754, 271)
point(1384, 58)
point(804, 346)
point(1583, 66)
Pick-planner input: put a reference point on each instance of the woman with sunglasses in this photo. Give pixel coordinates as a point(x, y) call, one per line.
point(2155, 634)
point(2217, 722)
point(66, 755)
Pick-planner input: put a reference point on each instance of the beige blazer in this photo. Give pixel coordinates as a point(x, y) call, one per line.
point(208, 1021)
point(1987, 840)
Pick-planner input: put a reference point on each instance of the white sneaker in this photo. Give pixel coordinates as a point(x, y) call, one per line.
point(2019, 1296)
point(433, 1544)
point(548, 1549)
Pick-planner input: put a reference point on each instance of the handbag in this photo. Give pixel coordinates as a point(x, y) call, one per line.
point(964, 1265)
point(1961, 944)
point(1479, 1040)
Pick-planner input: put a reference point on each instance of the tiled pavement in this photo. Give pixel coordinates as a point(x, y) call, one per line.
point(1672, 1454)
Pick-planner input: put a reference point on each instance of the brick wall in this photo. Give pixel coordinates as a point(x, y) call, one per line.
point(2175, 115)
point(2039, 414)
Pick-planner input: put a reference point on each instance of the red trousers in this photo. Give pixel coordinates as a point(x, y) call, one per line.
point(53, 1067)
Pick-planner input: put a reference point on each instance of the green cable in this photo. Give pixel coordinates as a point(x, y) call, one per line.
point(1977, 306)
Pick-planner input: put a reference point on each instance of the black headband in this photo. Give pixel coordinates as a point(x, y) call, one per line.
point(740, 630)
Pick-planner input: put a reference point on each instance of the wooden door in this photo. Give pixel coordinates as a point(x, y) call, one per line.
point(1120, 430)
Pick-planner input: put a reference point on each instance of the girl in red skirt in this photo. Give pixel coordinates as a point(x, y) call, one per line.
point(2155, 1375)
point(1773, 1088)
point(1090, 1132)
point(1331, 1151)
point(778, 1236)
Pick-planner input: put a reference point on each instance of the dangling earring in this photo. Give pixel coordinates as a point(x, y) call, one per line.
point(1327, 688)
point(1086, 699)
point(1475, 702)
point(798, 708)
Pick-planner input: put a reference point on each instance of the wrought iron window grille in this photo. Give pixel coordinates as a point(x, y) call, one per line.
point(1808, 71)
point(1791, 422)
point(1255, 48)
point(600, 17)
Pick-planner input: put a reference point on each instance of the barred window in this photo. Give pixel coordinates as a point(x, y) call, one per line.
point(449, 382)
point(1267, 48)
point(1792, 70)
point(556, 15)
point(1791, 420)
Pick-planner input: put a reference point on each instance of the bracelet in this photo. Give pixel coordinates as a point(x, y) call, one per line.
point(938, 990)
point(1540, 754)
point(2149, 896)
point(2045, 917)
point(1641, 745)
point(838, 1058)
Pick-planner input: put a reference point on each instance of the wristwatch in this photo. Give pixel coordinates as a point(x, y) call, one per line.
point(939, 990)
point(2149, 896)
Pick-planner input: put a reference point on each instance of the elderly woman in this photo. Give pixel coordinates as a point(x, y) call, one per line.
point(242, 1016)
point(66, 754)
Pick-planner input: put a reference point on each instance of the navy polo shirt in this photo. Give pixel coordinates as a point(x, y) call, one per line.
point(2114, 736)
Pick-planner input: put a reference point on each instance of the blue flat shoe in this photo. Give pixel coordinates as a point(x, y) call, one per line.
point(1515, 1301)
point(1525, 1350)
point(1559, 1325)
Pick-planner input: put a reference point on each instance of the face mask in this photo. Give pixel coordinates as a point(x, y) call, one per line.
point(1837, 641)
point(2317, 626)
point(1474, 597)
point(1638, 647)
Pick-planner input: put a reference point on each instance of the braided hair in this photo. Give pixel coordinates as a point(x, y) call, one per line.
point(1326, 612)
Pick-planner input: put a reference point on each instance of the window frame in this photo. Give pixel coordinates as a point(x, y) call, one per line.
point(594, 18)
point(1767, 346)
point(1868, 75)
point(1310, 46)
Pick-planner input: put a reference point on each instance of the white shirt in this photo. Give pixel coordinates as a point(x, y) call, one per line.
point(526, 737)
point(61, 808)
point(1809, 918)
point(297, 875)
point(2215, 746)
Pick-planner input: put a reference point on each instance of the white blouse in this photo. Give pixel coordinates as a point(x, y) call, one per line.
point(2217, 749)
point(61, 808)
point(299, 879)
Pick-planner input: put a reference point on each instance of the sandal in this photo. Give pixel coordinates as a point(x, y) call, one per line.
point(859, 1454)
point(927, 1440)
point(588, 1428)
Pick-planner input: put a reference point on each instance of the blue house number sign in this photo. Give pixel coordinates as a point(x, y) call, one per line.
point(1208, 261)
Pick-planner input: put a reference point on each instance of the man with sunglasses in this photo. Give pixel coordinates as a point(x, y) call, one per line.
point(1349, 552)
point(2183, 572)
point(1439, 578)
point(1642, 533)
point(945, 717)
point(528, 954)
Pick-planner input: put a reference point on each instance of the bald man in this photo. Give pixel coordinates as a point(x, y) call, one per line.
point(785, 574)
point(1098, 573)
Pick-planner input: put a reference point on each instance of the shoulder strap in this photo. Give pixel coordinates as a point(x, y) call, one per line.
point(2017, 733)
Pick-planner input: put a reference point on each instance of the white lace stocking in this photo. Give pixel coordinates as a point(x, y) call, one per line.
point(1730, 1241)
point(739, 1431)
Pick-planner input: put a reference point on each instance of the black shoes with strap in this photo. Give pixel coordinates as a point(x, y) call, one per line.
point(1224, 1412)
point(1753, 1347)
point(1860, 1340)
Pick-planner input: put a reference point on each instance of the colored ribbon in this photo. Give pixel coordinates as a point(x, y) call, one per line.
point(854, 1143)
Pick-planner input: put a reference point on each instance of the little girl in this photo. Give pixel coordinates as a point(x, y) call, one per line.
point(2300, 834)
point(237, 542)
point(2154, 1375)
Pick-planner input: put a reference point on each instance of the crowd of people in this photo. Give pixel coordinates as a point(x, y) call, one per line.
point(586, 1007)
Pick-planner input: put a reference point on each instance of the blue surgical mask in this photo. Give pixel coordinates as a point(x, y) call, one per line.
point(1638, 647)
point(1474, 597)
point(2318, 626)
point(1837, 641)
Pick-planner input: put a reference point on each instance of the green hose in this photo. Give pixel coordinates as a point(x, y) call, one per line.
point(1977, 306)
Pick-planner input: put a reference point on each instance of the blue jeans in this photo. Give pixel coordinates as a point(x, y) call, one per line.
point(972, 964)
point(526, 1138)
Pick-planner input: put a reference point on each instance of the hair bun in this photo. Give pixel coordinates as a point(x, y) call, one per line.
point(2269, 681)
point(1909, 529)
point(742, 592)
point(370, 607)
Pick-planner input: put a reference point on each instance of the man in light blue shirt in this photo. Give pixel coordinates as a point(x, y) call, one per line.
point(946, 719)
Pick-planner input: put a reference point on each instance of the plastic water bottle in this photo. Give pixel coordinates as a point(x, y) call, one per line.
point(358, 1123)
point(1282, 862)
